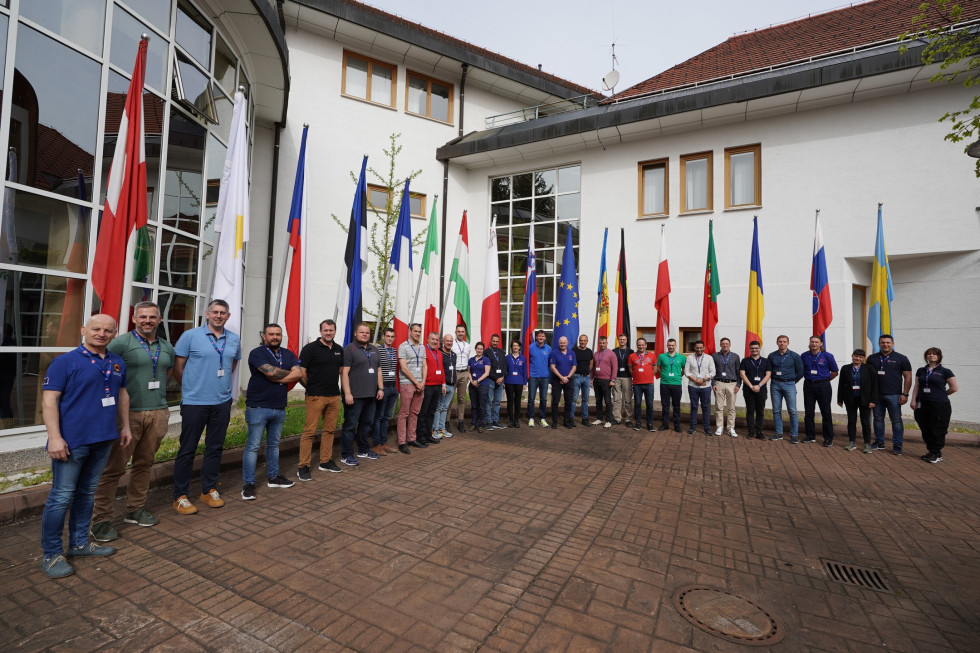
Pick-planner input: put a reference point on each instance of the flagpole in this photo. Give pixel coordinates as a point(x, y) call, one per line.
point(304, 299)
point(286, 257)
point(418, 285)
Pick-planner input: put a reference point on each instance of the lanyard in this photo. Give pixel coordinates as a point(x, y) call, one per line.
point(929, 372)
point(462, 347)
point(434, 355)
point(106, 370)
point(213, 339)
point(367, 353)
point(621, 356)
point(816, 361)
point(756, 365)
point(278, 358)
point(418, 363)
point(856, 373)
point(697, 359)
point(724, 361)
point(146, 347)
point(672, 361)
point(392, 354)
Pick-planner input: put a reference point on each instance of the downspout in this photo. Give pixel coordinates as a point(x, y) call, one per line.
point(272, 224)
point(445, 187)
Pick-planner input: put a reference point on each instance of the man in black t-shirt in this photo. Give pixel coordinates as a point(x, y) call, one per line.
point(583, 374)
point(894, 374)
point(496, 356)
point(320, 361)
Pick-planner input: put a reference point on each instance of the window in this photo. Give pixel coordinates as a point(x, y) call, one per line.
point(647, 333)
point(696, 171)
point(369, 79)
point(653, 188)
point(743, 176)
point(688, 336)
point(417, 201)
point(378, 201)
point(429, 97)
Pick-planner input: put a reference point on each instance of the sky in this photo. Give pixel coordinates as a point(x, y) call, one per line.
point(573, 38)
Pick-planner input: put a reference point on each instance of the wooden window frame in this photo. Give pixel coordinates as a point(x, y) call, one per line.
point(642, 167)
point(685, 158)
point(757, 185)
point(370, 64)
point(682, 335)
point(428, 96)
point(390, 197)
point(419, 196)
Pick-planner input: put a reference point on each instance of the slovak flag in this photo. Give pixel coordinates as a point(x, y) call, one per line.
point(529, 322)
point(823, 313)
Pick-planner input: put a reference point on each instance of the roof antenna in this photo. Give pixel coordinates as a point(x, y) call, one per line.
point(611, 78)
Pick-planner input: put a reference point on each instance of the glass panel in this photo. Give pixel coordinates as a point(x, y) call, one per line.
point(653, 189)
point(224, 66)
point(20, 386)
point(126, 31)
point(79, 21)
point(381, 84)
point(378, 199)
point(54, 115)
point(544, 209)
point(546, 289)
point(518, 264)
point(696, 184)
point(439, 102)
point(517, 289)
point(48, 233)
point(355, 81)
point(155, 11)
point(569, 179)
point(546, 318)
point(503, 287)
point(417, 95)
point(545, 263)
point(178, 314)
point(563, 228)
point(224, 109)
point(544, 182)
point(544, 235)
point(178, 261)
point(3, 48)
point(742, 167)
point(569, 207)
point(500, 189)
point(145, 257)
point(183, 186)
point(194, 33)
point(207, 263)
point(43, 310)
point(194, 88)
point(521, 212)
point(518, 239)
point(415, 202)
point(503, 239)
point(523, 185)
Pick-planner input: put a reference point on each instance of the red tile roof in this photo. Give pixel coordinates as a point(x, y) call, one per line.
point(839, 30)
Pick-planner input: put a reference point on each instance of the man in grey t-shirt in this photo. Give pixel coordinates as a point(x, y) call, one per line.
point(362, 384)
point(411, 385)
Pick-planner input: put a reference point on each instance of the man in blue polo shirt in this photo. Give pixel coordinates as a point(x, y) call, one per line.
point(787, 370)
point(562, 363)
point(84, 393)
point(206, 361)
point(272, 369)
point(819, 369)
point(894, 374)
point(538, 372)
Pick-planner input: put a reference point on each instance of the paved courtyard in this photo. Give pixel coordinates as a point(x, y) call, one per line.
point(532, 540)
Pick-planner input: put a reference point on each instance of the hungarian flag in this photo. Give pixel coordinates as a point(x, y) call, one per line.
point(712, 288)
point(490, 315)
point(460, 275)
point(349, 298)
point(823, 313)
point(622, 301)
point(602, 303)
point(125, 201)
point(430, 276)
point(529, 319)
point(296, 322)
point(401, 262)
point(756, 304)
point(662, 301)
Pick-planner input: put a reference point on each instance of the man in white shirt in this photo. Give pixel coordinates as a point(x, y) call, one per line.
point(699, 370)
point(463, 352)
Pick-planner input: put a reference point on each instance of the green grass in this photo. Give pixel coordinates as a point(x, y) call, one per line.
point(30, 479)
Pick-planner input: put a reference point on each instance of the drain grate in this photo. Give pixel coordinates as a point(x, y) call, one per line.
point(859, 575)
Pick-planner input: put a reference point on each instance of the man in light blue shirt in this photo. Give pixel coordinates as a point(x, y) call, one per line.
point(206, 361)
point(538, 376)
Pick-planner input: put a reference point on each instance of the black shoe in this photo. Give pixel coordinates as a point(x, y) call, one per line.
point(809, 440)
point(461, 427)
point(303, 473)
point(404, 448)
point(569, 424)
point(690, 431)
point(416, 443)
point(925, 457)
point(664, 427)
point(554, 424)
point(329, 466)
point(651, 429)
point(431, 440)
point(828, 443)
point(636, 428)
point(759, 436)
point(629, 425)
point(248, 492)
point(585, 422)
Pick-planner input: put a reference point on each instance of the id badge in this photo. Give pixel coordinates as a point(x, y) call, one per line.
point(108, 401)
point(438, 372)
point(779, 373)
point(881, 372)
point(499, 371)
point(221, 372)
point(813, 372)
point(639, 369)
point(724, 373)
point(926, 390)
point(622, 369)
point(515, 373)
point(855, 387)
point(391, 374)
point(153, 385)
point(757, 379)
point(370, 370)
point(670, 374)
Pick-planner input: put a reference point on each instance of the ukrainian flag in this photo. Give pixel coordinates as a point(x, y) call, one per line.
point(757, 303)
point(882, 292)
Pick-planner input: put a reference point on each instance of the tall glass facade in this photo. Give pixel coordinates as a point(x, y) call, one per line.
point(62, 101)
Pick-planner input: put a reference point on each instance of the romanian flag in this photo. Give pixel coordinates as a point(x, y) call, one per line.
point(602, 303)
point(622, 300)
point(712, 288)
point(882, 292)
point(756, 304)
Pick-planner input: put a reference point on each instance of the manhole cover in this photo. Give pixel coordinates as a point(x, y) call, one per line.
point(727, 615)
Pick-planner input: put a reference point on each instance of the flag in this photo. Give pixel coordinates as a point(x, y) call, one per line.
point(823, 313)
point(712, 288)
point(430, 276)
point(460, 275)
point(355, 261)
point(602, 303)
point(401, 261)
point(231, 221)
point(490, 315)
point(297, 325)
point(882, 292)
point(8, 237)
point(566, 307)
point(662, 300)
point(756, 305)
point(125, 201)
point(76, 261)
point(529, 319)
point(622, 300)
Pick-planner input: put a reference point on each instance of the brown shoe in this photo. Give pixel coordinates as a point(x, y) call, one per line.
point(379, 449)
point(389, 448)
point(183, 505)
point(212, 498)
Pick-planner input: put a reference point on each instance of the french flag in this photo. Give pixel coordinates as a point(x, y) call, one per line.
point(401, 260)
point(529, 322)
point(823, 313)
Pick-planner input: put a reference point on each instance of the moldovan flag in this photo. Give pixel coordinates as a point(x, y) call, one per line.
point(712, 288)
point(231, 220)
point(756, 305)
point(602, 303)
point(529, 318)
point(460, 275)
point(430, 277)
point(401, 261)
point(662, 301)
point(490, 315)
point(823, 313)
point(297, 324)
point(352, 272)
point(882, 292)
point(125, 200)
point(622, 301)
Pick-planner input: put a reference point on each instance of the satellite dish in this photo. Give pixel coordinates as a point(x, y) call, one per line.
point(610, 80)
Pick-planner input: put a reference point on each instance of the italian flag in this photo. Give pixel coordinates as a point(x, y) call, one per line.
point(430, 277)
point(460, 276)
point(490, 315)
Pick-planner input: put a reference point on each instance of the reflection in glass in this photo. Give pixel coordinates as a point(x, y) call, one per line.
point(178, 314)
point(544, 209)
point(40, 311)
point(224, 108)
point(500, 189)
point(48, 233)
point(381, 83)
point(178, 261)
point(355, 79)
point(54, 114)
point(144, 258)
point(79, 21)
point(417, 95)
point(569, 207)
point(523, 185)
point(207, 264)
point(569, 179)
point(20, 386)
point(503, 290)
point(503, 240)
point(546, 289)
point(184, 181)
point(502, 211)
point(544, 182)
point(155, 11)
point(224, 66)
point(192, 88)
point(521, 212)
point(194, 33)
point(126, 31)
point(3, 48)
point(439, 102)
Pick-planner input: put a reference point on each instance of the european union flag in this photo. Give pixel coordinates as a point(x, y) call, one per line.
point(566, 312)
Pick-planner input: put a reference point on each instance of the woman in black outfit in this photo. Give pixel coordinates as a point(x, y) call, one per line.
point(930, 402)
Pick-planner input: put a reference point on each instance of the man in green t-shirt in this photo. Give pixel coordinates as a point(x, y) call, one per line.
point(149, 360)
point(671, 368)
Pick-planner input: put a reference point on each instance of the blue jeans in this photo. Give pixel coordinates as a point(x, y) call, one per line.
point(496, 392)
point(73, 485)
point(439, 422)
point(384, 408)
point(581, 384)
point(358, 422)
point(889, 403)
point(787, 390)
point(534, 384)
point(643, 391)
point(700, 395)
point(270, 422)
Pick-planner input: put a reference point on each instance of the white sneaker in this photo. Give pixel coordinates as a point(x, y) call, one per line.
point(597, 422)
point(732, 433)
point(530, 422)
point(607, 425)
point(544, 423)
point(719, 430)
point(446, 434)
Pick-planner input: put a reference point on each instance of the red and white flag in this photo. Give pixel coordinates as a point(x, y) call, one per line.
point(125, 201)
point(490, 314)
point(662, 301)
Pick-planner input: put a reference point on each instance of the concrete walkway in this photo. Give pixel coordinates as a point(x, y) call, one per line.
point(532, 540)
